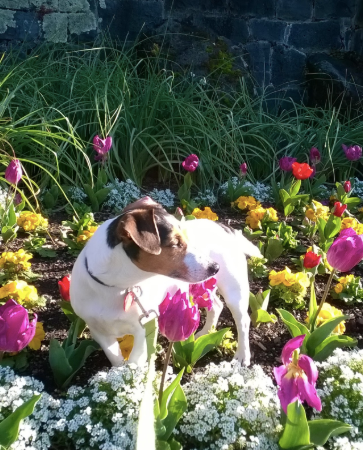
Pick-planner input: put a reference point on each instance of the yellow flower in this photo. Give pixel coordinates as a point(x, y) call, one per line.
point(247, 203)
point(329, 312)
point(359, 228)
point(349, 222)
point(253, 222)
point(207, 213)
point(338, 288)
point(316, 211)
point(126, 344)
point(87, 234)
point(20, 291)
point(289, 278)
point(36, 342)
point(302, 279)
point(272, 214)
point(276, 278)
point(347, 279)
point(17, 261)
point(30, 221)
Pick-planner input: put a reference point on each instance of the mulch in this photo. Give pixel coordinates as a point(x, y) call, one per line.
point(266, 341)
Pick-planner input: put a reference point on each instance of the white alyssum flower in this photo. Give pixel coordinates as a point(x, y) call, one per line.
point(206, 198)
point(262, 192)
point(230, 407)
point(77, 194)
point(163, 196)
point(357, 188)
point(340, 387)
point(121, 194)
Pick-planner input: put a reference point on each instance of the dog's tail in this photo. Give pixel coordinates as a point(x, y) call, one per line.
point(247, 247)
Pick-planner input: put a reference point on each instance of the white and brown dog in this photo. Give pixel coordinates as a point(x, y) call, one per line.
point(147, 248)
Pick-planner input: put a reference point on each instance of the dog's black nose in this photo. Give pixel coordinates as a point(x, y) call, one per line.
point(213, 269)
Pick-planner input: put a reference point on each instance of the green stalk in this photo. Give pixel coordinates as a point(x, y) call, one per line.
point(166, 362)
point(323, 298)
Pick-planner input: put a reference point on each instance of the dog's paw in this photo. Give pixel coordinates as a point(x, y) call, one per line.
point(244, 359)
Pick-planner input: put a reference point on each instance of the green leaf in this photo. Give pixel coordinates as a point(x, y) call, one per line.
point(176, 407)
point(254, 303)
point(274, 249)
point(332, 227)
point(313, 306)
point(46, 252)
point(11, 216)
point(174, 445)
point(323, 351)
point(9, 427)
point(206, 343)
point(295, 328)
point(59, 363)
point(353, 201)
point(151, 333)
point(322, 429)
point(295, 187)
point(162, 445)
point(168, 392)
point(296, 434)
point(81, 353)
point(102, 194)
point(284, 195)
point(321, 333)
point(261, 316)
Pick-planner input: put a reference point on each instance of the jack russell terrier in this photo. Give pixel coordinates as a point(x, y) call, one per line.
point(149, 252)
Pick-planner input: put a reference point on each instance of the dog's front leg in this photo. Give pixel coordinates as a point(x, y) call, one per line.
point(212, 317)
point(110, 346)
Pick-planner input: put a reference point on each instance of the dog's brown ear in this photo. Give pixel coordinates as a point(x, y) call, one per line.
point(140, 226)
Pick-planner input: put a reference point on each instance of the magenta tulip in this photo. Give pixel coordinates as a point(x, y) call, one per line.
point(353, 153)
point(347, 186)
point(178, 319)
point(346, 251)
point(14, 172)
point(243, 169)
point(286, 163)
point(202, 293)
point(191, 163)
point(15, 329)
point(315, 156)
point(101, 147)
point(297, 376)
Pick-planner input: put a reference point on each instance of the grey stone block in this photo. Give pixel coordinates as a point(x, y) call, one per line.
point(52, 5)
point(261, 8)
point(231, 28)
point(188, 5)
point(74, 6)
point(14, 4)
point(55, 27)
point(334, 9)
point(267, 30)
point(294, 9)
point(315, 36)
point(79, 23)
point(259, 61)
point(127, 18)
point(287, 65)
point(7, 21)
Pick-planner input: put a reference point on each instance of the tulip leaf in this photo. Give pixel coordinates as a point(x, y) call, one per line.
point(295, 187)
point(206, 343)
point(176, 407)
point(58, 362)
point(322, 429)
point(296, 435)
point(321, 333)
point(262, 316)
point(313, 306)
point(326, 348)
point(273, 249)
point(168, 392)
point(353, 201)
point(296, 328)
point(102, 194)
point(9, 427)
point(332, 226)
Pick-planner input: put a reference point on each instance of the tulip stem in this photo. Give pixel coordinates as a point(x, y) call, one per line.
point(166, 362)
point(1, 355)
point(325, 294)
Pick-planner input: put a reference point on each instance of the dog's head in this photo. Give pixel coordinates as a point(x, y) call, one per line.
point(155, 241)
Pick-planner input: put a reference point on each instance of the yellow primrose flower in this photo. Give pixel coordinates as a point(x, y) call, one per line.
point(290, 278)
point(272, 214)
point(15, 261)
point(30, 221)
point(347, 279)
point(20, 291)
point(316, 212)
point(36, 342)
point(126, 344)
point(87, 234)
point(276, 278)
point(207, 213)
point(359, 229)
point(253, 222)
point(338, 288)
point(302, 279)
point(349, 222)
point(329, 312)
point(246, 203)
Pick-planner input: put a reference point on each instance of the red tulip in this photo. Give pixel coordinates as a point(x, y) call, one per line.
point(346, 251)
point(64, 285)
point(191, 163)
point(311, 260)
point(338, 209)
point(14, 172)
point(347, 186)
point(15, 329)
point(178, 319)
point(301, 171)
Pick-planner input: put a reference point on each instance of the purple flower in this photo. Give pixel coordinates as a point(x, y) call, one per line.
point(286, 163)
point(202, 293)
point(14, 172)
point(191, 163)
point(243, 168)
point(346, 251)
point(297, 376)
point(315, 156)
point(313, 172)
point(15, 329)
point(353, 153)
point(101, 147)
point(178, 319)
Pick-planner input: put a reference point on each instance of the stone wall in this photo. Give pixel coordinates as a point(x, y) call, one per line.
point(272, 39)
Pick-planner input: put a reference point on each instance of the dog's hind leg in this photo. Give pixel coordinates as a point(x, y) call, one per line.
point(212, 316)
point(110, 346)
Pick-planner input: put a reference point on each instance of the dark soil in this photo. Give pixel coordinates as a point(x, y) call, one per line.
point(266, 341)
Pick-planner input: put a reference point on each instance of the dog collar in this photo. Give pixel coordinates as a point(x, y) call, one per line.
point(92, 276)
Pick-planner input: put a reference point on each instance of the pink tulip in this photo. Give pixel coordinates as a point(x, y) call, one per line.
point(297, 376)
point(15, 329)
point(178, 319)
point(14, 172)
point(191, 163)
point(286, 163)
point(102, 147)
point(346, 251)
point(243, 169)
point(202, 293)
point(347, 186)
point(315, 155)
point(353, 153)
